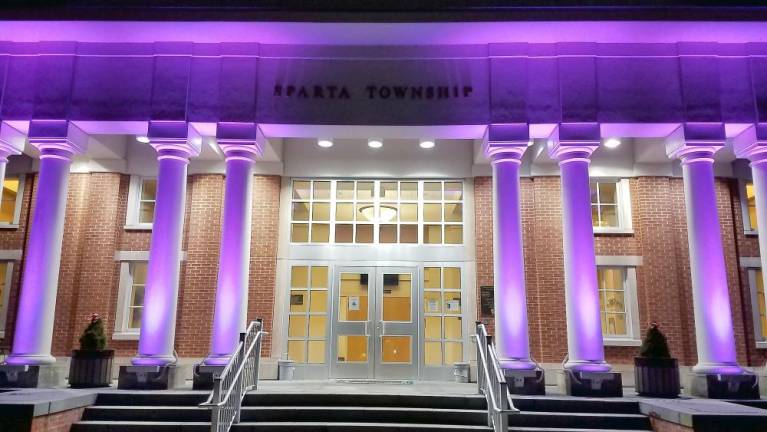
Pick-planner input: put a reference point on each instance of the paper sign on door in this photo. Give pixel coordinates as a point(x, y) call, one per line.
point(354, 303)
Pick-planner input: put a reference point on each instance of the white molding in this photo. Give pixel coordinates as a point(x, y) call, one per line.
point(761, 345)
point(750, 262)
point(619, 260)
point(125, 335)
point(138, 227)
point(622, 342)
point(10, 255)
point(138, 255)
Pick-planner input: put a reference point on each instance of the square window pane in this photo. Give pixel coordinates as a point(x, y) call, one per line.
point(387, 212)
point(432, 234)
point(139, 273)
point(345, 212)
point(298, 300)
point(432, 327)
point(432, 212)
point(610, 278)
point(408, 213)
point(453, 212)
point(297, 351)
point(397, 297)
point(134, 321)
point(452, 278)
point(453, 234)
point(353, 298)
point(364, 234)
point(432, 191)
point(319, 277)
point(319, 301)
point(297, 326)
point(453, 191)
point(299, 233)
point(433, 353)
point(365, 212)
point(594, 189)
point(431, 277)
point(345, 190)
point(352, 349)
point(316, 352)
point(432, 302)
point(8, 208)
point(145, 213)
point(609, 214)
point(408, 233)
point(453, 352)
point(614, 301)
point(396, 349)
point(138, 296)
point(320, 233)
point(608, 193)
point(148, 190)
point(322, 190)
point(452, 302)
point(615, 324)
point(387, 234)
point(453, 328)
point(344, 233)
point(299, 277)
point(321, 212)
point(408, 191)
point(317, 324)
point(595, 215)
point(300, 211)
point(301, 189)
point(365, 190)
point(388, 191)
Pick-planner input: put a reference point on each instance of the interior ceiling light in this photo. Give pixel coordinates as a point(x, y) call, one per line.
point(375, 143)
point(426, 143)
point(388, 213)
point(612, 143)
point(324, 143)
point(142, 139)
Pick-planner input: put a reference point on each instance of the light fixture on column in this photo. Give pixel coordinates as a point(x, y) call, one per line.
point(375, 143)
point(325, 143)
point(142, 139)
point(426, 143)
point(612, 143)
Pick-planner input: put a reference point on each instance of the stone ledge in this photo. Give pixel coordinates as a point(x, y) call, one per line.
point(706, 414)
point(40, 402)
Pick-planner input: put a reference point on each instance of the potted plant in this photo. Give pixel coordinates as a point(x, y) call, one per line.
point(656, 373)
point(91, 365)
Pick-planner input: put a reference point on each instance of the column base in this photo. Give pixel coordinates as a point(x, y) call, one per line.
point(590, 384)
point(531, 382)
point(204, 374)
point(32, 376)
point(150, 377)
point(718, 386)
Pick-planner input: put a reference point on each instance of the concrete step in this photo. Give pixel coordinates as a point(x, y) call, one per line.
point(585, 405)
point(167, 398)
point(380, 400)
point(580, 420)
point(546, 429)
point(139, 426)
point(147, 413)
point(352, 427)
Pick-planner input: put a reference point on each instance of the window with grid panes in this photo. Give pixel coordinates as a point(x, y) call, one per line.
point(136, 299)
point(761, 303)
point(443, 325)
point(751, 222)
point(307, 314)
point(147, 198)
point(612, 301)
point(604, 204)
point(11, 193)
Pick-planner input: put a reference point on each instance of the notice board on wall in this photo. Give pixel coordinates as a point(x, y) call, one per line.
point(486, 301)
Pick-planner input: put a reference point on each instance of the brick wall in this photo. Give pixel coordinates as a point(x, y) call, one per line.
point(664, 291)
point(58, 422)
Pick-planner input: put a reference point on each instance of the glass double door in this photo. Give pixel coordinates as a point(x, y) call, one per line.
point(375, 323)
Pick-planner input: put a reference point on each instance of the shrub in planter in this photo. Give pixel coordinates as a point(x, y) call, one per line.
point(656, 373)
point(91, 365)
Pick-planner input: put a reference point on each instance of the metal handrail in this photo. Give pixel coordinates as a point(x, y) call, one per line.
point(492, 384)
point(238, 377)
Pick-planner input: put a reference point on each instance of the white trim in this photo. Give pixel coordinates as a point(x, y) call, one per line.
point(125, 335)
point(6, 295)
point(750, 262)
point(623, 198)
point(619, 260)
point(136, 255)
point(10, 255)
point(622, 342)
point(134, 199)
point(744, 208)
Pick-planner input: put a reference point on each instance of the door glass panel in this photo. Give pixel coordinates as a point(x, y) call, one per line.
point(297, 351)
point(299, 276)
point(297, 326)
point(316, 352)
point(452, 328)
point(432, 327)
point(453, 352)
point(352, 348)
point(397, 297)
point(353, 297)
point(433, 353)
point(319, 301)
point(395, 349)
point(298, 300)
point(317, 326)
point(319, 277)
point(452, 278)
point(432, 302)
point(452, 302)
point(431, 277)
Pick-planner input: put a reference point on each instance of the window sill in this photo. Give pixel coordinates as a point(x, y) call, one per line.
point(119, 335)
point(625, 342)
point(613, 231)
point(751, 233)
point(138, 227)
point(761, 345)
point(9, 226)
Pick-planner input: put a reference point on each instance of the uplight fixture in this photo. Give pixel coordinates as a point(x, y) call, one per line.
point(612, 143)
point(375, 143)
point(142, 139)
point(426, 143)
point(325, 143)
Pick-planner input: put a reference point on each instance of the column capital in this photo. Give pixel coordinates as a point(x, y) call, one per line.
point(574, 141)
point(60, 139)
point(696, 142)
point(11, 141)
point(751, 144)
point(240, 141)
point(506, 142)
point(174, 139)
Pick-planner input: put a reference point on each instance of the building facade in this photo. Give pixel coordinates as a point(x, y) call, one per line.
point(372, 190)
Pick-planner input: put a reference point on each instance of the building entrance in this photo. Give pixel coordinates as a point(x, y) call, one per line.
point(375, 323)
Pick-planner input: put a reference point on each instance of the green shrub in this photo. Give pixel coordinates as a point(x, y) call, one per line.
point(93, 338)
point(654, 344)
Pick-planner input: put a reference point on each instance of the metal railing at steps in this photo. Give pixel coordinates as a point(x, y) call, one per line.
point(492, 382)
point(238, 377)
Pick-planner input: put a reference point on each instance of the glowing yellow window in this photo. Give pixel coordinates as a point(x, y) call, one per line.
point(8, 204)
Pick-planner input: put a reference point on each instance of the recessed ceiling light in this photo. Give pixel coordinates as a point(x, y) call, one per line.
point(142, 139)
point(375, 143)
point(612, 143)
point(325, 143)
point(426, 143)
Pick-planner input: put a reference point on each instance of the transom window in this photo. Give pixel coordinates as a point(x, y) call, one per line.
point(443, 324)
point(308, 314)
point(610, 205)
point(377, 211)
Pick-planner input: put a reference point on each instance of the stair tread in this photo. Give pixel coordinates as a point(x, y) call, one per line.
point(408, 425)
point(139, 422)
point(581, 414)
point(550, 429)
point(286, 407)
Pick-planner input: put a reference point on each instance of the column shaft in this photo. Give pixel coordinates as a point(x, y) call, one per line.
point(37, 302)
point(229, 317)
point(158, 322)
point(584, 326)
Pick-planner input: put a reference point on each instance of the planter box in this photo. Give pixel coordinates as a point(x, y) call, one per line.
point(657, 377)
point(91, 368)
